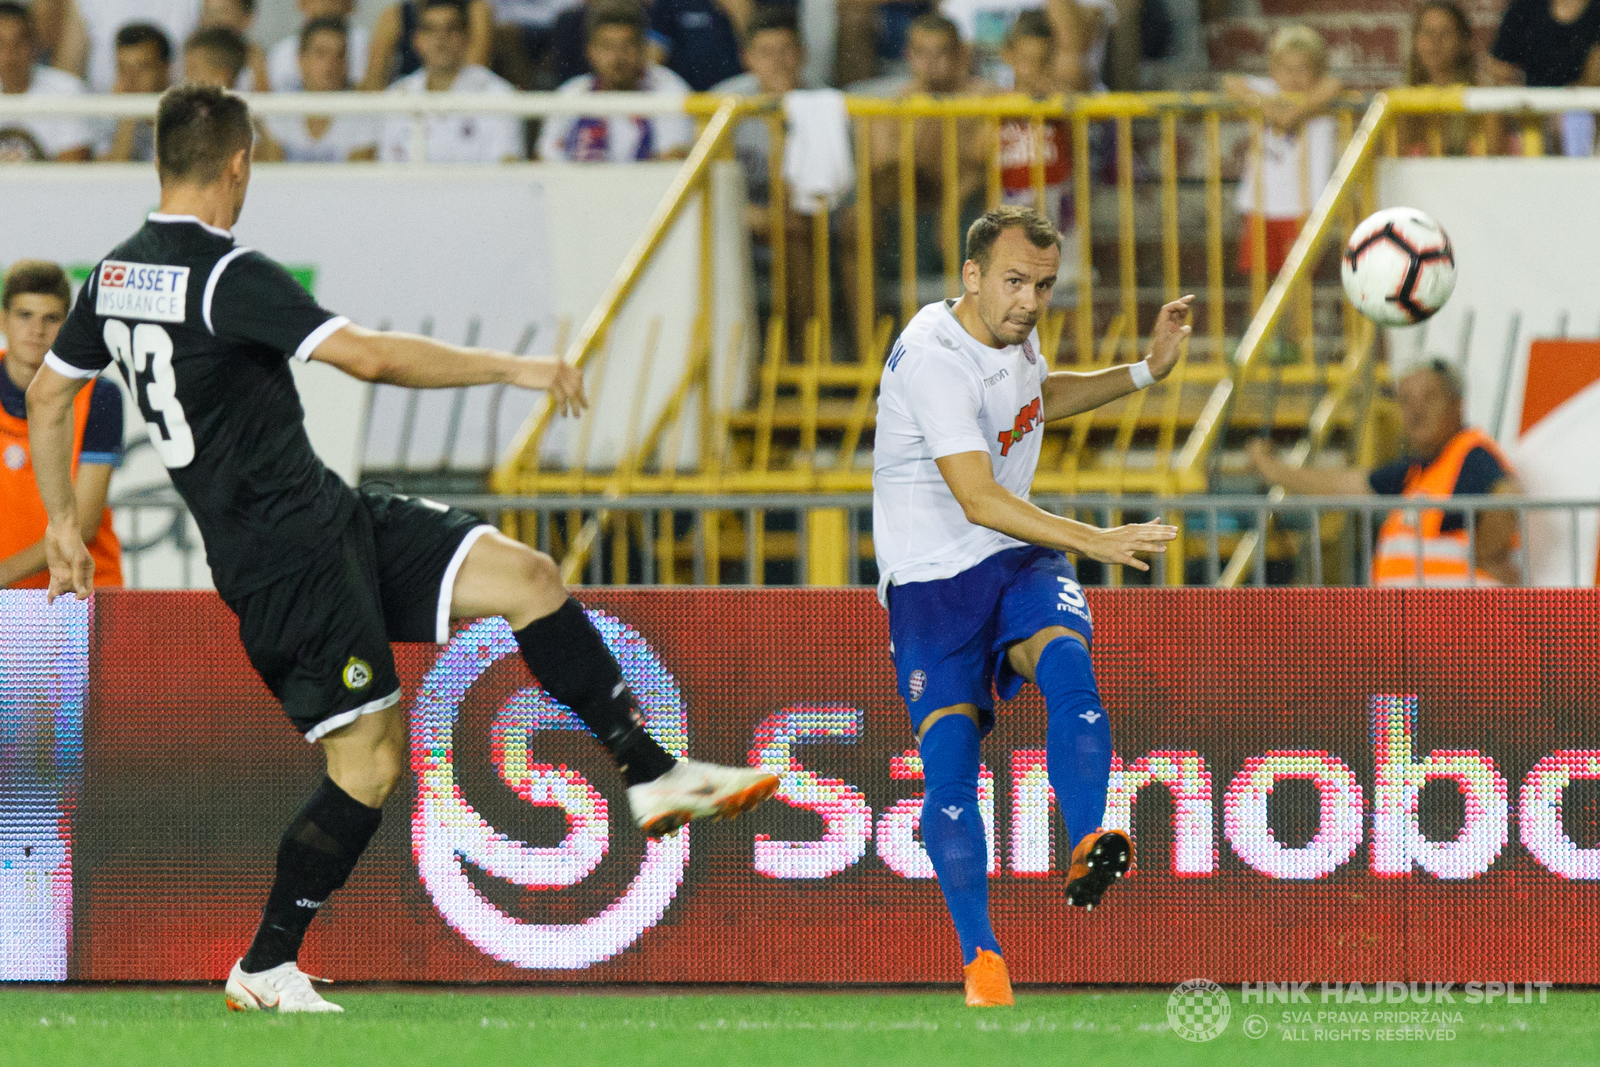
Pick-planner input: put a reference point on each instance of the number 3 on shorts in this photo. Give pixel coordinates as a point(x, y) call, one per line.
point(148, 345)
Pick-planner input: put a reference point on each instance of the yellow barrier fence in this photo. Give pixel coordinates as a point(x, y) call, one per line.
point(1145, 208)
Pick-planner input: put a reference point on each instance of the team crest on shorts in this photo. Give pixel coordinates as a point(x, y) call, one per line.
point(916, 684)
point(357, 674)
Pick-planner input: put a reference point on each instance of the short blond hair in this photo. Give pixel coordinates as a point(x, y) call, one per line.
point(1300, 38)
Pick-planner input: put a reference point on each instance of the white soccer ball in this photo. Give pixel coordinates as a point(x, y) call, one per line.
point(1399, 267)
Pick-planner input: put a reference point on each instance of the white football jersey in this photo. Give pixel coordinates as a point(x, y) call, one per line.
point(944, 392)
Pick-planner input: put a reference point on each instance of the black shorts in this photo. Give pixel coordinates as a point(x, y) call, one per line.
point(320, 637)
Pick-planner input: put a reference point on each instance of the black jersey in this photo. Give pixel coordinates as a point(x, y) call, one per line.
point(202, 330)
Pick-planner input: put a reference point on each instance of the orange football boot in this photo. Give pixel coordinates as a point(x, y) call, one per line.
point(1100, 859)
point(988, 983)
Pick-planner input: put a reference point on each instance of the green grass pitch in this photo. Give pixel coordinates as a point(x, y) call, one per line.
point(135, 1027)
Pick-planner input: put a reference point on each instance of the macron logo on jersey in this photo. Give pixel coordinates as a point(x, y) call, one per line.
point(142, 291)
point(1027, 421)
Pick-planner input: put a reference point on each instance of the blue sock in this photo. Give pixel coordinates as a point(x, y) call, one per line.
point(957, 846)
point(1078, 744)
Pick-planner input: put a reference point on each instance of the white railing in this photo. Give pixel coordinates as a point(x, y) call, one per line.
point(525, 105)
point(1546, 101)
point(414, 106)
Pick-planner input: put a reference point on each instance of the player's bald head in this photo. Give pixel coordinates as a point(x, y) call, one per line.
point(199, 128)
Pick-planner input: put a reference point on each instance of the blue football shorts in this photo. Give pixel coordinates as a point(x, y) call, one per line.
point(949, 637)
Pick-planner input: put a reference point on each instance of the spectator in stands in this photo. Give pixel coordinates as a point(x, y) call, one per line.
point(1441, 46)
point(394, 53)
point(773, 56)
point(283, 60)
point(1297, 149)
point(1441, 58)
point(104, 19)
point(324, 68)
point(940, 66)
point(1443, 458)
point(698, 40)
point(63, 40)
point(1030, 54)
point(144, 65)
point(1081, 29)
point(442, 39)
point(524, 39)
point(32, 308)
point(239, 16)
point(615, 32)
point(65, 139)
point(1551, 44)
point(215, 56)
point(567, 58)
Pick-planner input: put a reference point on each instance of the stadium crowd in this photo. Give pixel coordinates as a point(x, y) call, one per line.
point(960, 48)
point(673, 47)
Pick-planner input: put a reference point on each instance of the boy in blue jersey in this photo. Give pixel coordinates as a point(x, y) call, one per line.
point(979, 592)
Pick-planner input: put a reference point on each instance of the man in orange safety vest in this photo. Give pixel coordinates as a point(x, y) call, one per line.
point(1444, 458)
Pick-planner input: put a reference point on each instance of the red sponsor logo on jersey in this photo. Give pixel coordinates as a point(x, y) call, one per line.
point(1027, 420)
point(113, 275)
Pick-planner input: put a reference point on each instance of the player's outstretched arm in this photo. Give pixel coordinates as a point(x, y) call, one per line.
point(1068, 393)
point(423, 363)
point(970, 476)
point(50, 427)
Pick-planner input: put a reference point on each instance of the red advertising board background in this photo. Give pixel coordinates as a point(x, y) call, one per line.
point(191, 771)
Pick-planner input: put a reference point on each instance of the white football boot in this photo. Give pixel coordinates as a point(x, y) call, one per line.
point(694, 790)
point(284, 987)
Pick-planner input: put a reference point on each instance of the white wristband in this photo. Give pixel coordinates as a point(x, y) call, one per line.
point(1142, 378)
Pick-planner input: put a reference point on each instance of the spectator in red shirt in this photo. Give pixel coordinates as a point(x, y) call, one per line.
point(1031, 53)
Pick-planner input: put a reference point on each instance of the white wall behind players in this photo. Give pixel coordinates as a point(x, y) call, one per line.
point(510, 246)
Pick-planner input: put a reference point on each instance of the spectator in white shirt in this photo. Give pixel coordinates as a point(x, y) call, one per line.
point(324, 68)
point(144, 65)
point(614, 36)
point(65, 139)
point(103, 18)
point(441, 40)
point(283, 60)
point(1298, 148)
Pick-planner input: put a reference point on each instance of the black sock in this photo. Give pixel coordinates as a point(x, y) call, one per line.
point(568, 657)
point(315, 856)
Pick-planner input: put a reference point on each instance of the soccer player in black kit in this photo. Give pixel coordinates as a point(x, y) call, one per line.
point(321, 576)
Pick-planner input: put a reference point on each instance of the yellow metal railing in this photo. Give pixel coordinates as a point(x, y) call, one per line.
point(813, 397)
point(1407, 121)
point(1145, 195)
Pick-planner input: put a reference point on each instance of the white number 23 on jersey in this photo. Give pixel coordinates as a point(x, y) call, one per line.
point(145, 356)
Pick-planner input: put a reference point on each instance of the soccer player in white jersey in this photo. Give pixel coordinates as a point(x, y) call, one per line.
point(980, 594)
